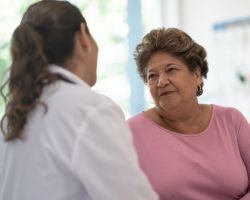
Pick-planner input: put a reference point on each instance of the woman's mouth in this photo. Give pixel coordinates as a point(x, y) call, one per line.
point(166, 93)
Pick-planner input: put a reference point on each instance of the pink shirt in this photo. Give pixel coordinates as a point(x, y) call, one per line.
point(211, 165)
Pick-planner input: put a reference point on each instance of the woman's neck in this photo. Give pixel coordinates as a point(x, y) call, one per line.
point(180, 113)
point(191, 120)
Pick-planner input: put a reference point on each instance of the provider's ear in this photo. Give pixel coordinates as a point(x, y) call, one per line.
point(85, 37)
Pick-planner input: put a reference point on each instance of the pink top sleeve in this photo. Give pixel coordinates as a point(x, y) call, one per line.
point(244, 147)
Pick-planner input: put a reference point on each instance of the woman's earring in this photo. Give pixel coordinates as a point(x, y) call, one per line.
point(199, 90)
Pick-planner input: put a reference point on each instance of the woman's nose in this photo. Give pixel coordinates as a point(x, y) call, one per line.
point(162, 81)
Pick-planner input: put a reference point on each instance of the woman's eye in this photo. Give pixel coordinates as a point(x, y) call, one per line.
point(171, 69)
point(151, 76)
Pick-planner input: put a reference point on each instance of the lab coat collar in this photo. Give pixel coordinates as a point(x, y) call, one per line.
point(67, 74)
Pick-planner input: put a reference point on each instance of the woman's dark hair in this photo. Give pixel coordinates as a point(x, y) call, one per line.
point(45, 36)
point(174, 42)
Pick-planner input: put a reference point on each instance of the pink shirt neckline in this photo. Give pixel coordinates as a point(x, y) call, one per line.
point(167, 131)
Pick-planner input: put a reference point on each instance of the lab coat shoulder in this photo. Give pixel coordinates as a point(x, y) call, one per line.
point(69, 110)
point(74, 103)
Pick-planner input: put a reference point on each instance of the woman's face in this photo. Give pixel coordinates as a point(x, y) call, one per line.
point(170, 82)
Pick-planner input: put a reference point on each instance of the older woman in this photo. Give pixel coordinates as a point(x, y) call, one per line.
point(188, 150)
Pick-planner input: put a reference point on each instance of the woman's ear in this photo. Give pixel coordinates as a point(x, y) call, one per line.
point(84, 38)
point(197, 72)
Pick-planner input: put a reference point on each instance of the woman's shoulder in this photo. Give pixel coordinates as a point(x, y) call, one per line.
point(230, 114)
point(141, 120)
point(140, 116)
point(224, 110)
point(73, 98)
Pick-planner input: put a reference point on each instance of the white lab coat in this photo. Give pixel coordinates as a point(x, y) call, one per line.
point(80, 149)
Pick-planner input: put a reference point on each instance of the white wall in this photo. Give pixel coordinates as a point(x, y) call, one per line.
point(226, 51)
point(198, 16)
